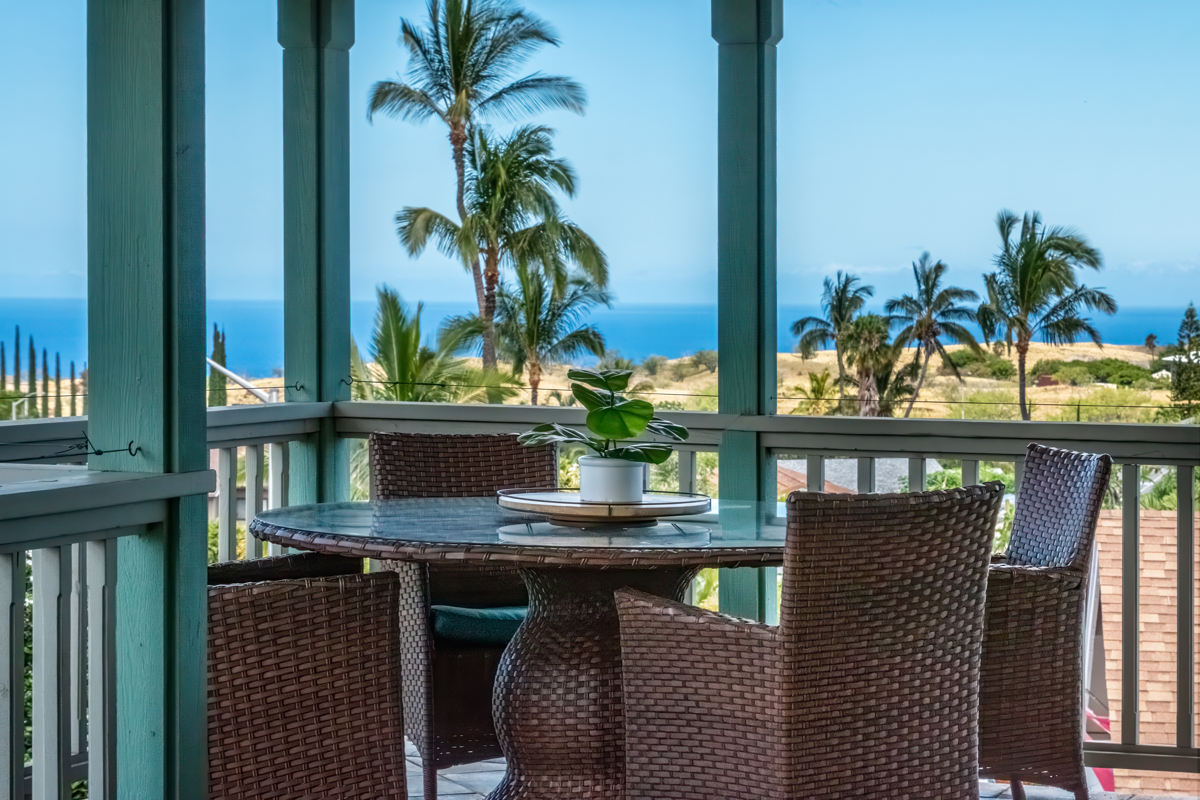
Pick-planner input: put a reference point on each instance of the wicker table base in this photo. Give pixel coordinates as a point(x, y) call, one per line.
point(557, 701)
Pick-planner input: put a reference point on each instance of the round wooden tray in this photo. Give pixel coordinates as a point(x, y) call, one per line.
point(565, 508)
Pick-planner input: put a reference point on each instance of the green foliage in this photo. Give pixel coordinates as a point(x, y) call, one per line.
point(613, 360)
point(612, 418)
point(1075, 375)
point(1185, 389)
point(406, 370)
point(652, 364)
point(705, 589)
point(682, 369)
point(1102, 370)
point(819, 398)
point(705, 359)
point(1162, 493)
point(216, 381)
point(981, 364)
point(536, 328)
point(706, 473)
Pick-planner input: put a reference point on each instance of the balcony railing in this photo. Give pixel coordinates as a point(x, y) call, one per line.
point(73, 584)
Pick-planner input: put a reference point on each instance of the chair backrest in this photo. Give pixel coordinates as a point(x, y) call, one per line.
point(451, 465)
point(1057, 507)
point(881, 631)
point(304, 687)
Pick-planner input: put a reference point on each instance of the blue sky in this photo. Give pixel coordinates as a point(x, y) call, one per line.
point(902, 127)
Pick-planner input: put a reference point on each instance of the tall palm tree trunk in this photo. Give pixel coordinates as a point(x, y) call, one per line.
point(841, 376)
point(868, 395)
point(1022, 351)
point(535, 380)
point(458, 140)
point(920, 382)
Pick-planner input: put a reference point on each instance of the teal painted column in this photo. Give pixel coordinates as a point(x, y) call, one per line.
point(746, 32)
point(316, 36)
point(146, 290)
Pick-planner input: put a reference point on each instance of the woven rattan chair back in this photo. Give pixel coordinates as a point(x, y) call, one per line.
point(440, 465)
point(1057, 507)
point(304, 683)
point(447, 689)
point(881, 627)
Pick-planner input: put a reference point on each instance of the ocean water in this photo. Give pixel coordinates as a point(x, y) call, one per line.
point(254, 328)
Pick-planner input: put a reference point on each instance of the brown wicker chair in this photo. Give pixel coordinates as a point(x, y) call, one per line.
point(448, 684)
point(1031, 683)
point(866, 689)
point(303, 680)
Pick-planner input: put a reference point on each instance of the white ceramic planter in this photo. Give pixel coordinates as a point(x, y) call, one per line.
point(610, 480)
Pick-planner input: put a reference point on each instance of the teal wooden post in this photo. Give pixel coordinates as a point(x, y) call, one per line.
point(746, 32)
point(145, 117)
point(316, 36)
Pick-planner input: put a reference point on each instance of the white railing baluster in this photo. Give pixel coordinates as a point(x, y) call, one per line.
point(970, 472)
point(1018, 474)
point(1130, 601)
point(277, 494)
point(254, 491)
point(227, 504)
point(815, 469)
point(1185, 548)
point(51, 671)
point(12, 675)
point(916, 474)
point(866, 475)
point(687, 471)
point(78, 654)
point(102, 717)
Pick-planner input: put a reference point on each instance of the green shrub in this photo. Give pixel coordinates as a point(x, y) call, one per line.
point(1002, 369)
point(1075, 375)
point(652, 364)
point(1046, 366)
point(706, 359)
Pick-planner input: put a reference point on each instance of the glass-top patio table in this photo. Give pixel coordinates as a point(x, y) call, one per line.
point(557, 698)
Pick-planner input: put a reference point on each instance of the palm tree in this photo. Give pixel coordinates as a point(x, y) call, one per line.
point(404, 369)
point(817, 399)
point(1036, 276)
point(460, 68)
point(535, 329)
point(993, 313)
point(512, 218)
point(867, 350)
point(894, 379)
point(841, 300)
point(930, 314)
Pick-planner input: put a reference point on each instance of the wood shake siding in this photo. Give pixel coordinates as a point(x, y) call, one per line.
point(1156, 624)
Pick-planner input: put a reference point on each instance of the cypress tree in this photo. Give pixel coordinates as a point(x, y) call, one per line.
point(1189, 329)
point(3, 370)
point(45, 383)
point(72, 389)
point(216, 381)
point(57, 385)
point(31, 387)
point(17, 362)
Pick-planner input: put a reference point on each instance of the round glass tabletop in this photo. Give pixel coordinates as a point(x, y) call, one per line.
point(478, 528)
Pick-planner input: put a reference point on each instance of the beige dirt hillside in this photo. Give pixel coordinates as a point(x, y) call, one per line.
point(681, 383)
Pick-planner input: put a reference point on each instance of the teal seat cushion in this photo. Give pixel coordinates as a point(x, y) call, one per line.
point(490, 626)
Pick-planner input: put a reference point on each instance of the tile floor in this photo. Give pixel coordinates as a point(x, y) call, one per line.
point(474, 781)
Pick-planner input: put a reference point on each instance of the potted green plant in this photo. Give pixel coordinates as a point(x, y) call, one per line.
point(615, 473)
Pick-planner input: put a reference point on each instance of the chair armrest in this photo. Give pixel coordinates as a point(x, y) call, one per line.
point(281, 568)
point(999, 558)
point(692, 677)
